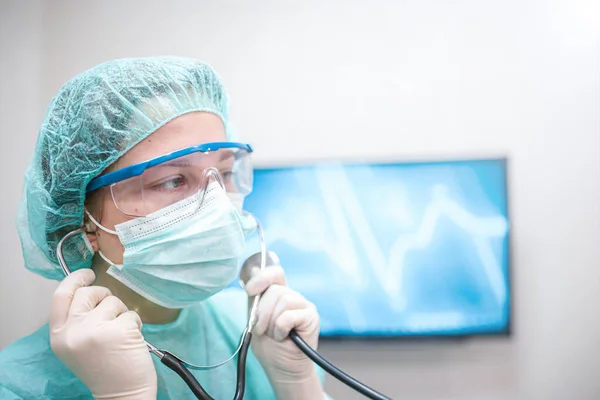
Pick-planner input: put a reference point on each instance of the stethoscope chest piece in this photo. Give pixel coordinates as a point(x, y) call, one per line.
point(254, 262)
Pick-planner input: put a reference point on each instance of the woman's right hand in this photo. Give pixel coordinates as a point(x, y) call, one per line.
point(96, 336)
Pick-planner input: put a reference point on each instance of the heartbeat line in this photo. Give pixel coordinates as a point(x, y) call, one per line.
point(481, 230)
point(343, 211)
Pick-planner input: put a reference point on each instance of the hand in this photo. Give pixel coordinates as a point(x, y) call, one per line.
point(95, 335)
point(280, 310)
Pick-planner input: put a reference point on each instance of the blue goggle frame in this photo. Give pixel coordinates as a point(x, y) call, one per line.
point(139, 168)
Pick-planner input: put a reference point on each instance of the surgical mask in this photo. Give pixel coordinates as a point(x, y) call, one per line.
point(183, 254)
point(237, 199)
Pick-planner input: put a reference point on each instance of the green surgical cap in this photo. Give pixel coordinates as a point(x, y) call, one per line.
point(93, 120)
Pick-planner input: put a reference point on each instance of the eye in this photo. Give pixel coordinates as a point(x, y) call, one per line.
point(227, 175)
point(169, 184)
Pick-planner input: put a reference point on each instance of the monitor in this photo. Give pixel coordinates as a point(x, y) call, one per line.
point(392, 249)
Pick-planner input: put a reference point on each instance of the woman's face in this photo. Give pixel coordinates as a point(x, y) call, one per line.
point(184, 131)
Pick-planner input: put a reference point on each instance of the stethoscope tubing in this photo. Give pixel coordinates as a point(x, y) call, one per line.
point(177, 365)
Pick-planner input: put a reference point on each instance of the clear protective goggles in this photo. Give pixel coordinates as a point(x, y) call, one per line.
point(143, 188)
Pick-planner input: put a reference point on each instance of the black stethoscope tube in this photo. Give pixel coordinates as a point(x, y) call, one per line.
point(335, 371)
point(174, 364)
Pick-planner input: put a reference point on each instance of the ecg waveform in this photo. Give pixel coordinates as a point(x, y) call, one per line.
point(302, 223)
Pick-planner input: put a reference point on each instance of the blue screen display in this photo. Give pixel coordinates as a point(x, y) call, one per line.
point(401, 249)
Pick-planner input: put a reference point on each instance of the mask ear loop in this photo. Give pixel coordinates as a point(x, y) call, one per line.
point(98, 224)
point(88, 228)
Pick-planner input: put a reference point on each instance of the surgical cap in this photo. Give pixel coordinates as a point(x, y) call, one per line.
point(93, 120)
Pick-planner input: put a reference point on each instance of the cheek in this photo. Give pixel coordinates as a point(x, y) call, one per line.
point(111, 247)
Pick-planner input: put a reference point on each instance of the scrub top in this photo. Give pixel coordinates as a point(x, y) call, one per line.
point(204, 334)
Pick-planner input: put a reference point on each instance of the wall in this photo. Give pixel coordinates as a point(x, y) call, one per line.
point(370, 81)
point(21, 112)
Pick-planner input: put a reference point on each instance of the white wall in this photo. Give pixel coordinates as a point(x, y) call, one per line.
point(21, 112)
point(374, 80)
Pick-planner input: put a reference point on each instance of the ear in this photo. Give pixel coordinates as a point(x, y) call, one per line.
point(90, 232)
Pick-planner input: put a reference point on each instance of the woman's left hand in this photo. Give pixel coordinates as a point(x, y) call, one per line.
point(280, 310)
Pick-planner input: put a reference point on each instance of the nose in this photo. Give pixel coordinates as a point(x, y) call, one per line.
point(211, 173)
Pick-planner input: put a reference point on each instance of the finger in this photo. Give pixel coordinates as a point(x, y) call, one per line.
point(130, 318)
point(289, 301)
point(109, 308)
point(87, 298)
point(303, 320)
point(64, 294)
point(262, 279)
point(265, 307)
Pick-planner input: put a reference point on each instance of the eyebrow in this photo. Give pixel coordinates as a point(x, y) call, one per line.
point(175, 163)
point(184, 163)
point(226, 155)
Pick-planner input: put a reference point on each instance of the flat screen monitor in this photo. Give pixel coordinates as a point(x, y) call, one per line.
point(392, 249)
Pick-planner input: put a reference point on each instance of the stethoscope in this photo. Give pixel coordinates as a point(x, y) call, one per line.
point(182, 368)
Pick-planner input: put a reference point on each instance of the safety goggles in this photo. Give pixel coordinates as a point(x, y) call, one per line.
point(143, 188)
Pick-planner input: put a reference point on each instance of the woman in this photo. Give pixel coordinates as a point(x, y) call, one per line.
point(138, 154)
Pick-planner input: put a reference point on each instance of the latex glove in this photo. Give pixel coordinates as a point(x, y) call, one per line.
point(280, 310)
point(95, 335)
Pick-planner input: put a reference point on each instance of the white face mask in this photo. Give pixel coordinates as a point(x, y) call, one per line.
point(237, 199)
point(183, 254)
